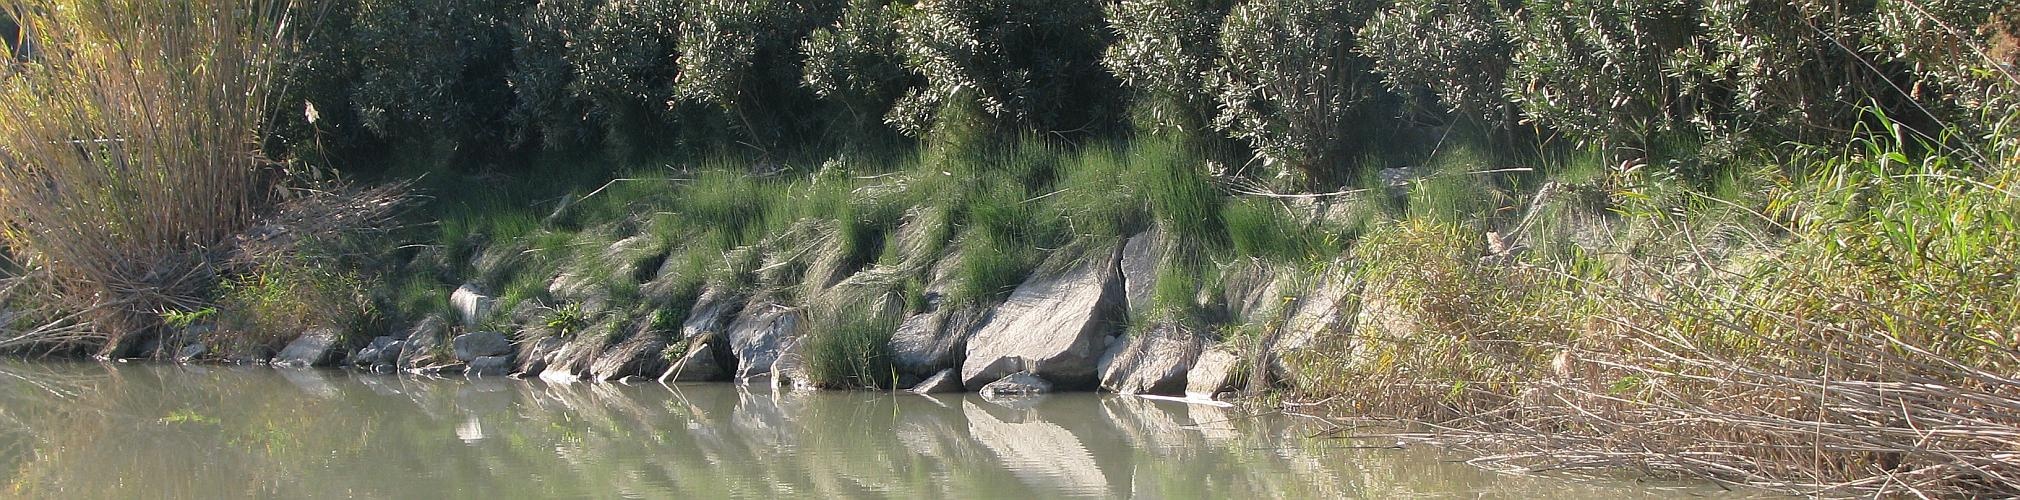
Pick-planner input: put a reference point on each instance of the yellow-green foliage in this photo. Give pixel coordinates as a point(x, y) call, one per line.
point(129, 145)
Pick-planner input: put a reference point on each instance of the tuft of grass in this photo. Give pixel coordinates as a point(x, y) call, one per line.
point(851, 350)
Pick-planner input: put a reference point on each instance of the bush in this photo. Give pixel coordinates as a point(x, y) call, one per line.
point(1458, 51)
point(624, 62)
point(128, 152)
point(743, 58)
point(1290, 83)
point(433, 69)
point(1030, 64)
point(547, 111)
point(857, 62)
point(851, 350)
point(1166, 50)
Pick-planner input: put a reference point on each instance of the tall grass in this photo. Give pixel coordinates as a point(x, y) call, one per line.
point(128, 147)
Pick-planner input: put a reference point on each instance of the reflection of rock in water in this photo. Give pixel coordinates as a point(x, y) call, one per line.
point(1151, 426)
point(314, 383)
point(471, 430)
point(1042, 455)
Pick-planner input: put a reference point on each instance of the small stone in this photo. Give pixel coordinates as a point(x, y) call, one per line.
point(191, 352)
point(940, 383)
point(471, 306)
point(470, 346)
point(1020, 384)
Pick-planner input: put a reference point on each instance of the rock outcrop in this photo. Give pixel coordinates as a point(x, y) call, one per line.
point(1215, 372)
point(697, 365)
point(759, 335)
point(1056, 325)
point(1140, 259)
point(470, 346)
point(931, 341)
point(642, 354)
point(317, 347)
point(471, 305)
point(1154, 361)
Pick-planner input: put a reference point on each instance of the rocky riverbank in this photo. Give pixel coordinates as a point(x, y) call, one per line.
point(1084, 320)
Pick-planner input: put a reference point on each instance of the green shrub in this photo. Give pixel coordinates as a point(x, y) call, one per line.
point(1030, 64)
point(858, 62)
point(851, 350)
point(1456, 50)
point(743, 57)
point(1291, 83)
point(432, 69)
point(1166, 50)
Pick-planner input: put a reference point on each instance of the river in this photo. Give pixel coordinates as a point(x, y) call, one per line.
point(90, 430)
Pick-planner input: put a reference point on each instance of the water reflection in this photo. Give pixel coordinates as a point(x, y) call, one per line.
point(121, 431)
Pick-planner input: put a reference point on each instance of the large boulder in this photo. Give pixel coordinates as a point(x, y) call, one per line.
point(642, 354)
point(1140, 259)
point(383, 350)
point(317, 347)
point(697, 365)
point(1154, 361)
point(928, 342)
point(470, 346)
point(471, 305)
point(713, 312)
point(1215, 372)
point(1055, 325)
point(758, 335)
point(1250, 289)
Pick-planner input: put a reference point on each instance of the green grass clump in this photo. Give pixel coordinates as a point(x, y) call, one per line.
point(851, 350)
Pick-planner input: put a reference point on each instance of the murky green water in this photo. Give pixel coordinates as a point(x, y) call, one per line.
point(82, 430)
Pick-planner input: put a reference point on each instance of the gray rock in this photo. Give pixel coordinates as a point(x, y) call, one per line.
point(1153, 361)
point(534, 356)
point(489, 366)
point(1055, 325)
point(1020, 384)
point(191, 352)
point(643, 353)
point(470, 346)
point(928, 342)
point(1213, 373)
point(377, 352)
point(471, 305)
point(1140, 258)
point(698, 365)
point(759, 335)
point(1249, 289)
point(1325, 310)
point(944, 382)
point(431, 327)
point(318, 347)
point(711, 315)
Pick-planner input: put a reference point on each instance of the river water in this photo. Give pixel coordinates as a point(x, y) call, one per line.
point(88, 430)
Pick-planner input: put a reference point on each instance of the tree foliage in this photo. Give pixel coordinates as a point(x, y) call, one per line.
point(1290, 81)
point(1033, 64)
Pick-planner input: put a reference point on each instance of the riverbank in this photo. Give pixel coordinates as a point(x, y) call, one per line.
point(1558, 316)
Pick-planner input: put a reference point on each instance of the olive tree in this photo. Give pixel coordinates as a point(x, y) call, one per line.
point(1606, 71)
point(1457, 50)
point(857, 62)
point(1290, 80)
point(546, 108)
point(432, 68)
point(743, 58)
point(1166, 50)
point(1031, 64)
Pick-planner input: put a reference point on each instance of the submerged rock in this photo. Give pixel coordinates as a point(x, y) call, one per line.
point(1020, 384)
point(318, 347)
point(470, 346)
point(1055, 325)
point(944, 382)
point(1153, 361)
point(1213, 373)
point(697, 365)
